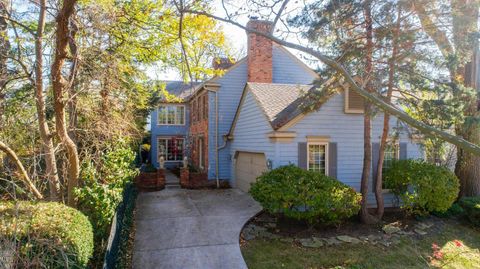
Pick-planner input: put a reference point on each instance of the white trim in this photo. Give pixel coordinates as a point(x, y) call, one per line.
point(166, 153)
point(174, 105)
point(326, 154)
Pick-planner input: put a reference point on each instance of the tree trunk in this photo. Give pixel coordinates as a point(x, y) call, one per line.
point(4, 50)
point(467, 167)
point(367, 128)
point(45, 135)
point(465, 23)
point(386, 119)
point(60, 87)
point(26, 178)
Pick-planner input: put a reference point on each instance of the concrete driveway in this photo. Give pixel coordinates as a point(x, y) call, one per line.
point(178, 228)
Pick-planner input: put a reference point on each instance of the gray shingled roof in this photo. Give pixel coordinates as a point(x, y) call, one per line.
point(279, 102)
point(181, 89)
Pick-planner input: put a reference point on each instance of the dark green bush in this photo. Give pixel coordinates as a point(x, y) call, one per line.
point(102, 189)
point(422, 187)
point(47, 235)
point(471, 206)
point(305, 195)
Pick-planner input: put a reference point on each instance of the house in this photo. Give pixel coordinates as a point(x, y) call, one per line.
point(235, 126)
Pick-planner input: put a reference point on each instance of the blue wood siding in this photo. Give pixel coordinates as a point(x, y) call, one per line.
point(330, 120)
point(232, 84)
point(166, 131)
point(287, 69)
point(251, 132)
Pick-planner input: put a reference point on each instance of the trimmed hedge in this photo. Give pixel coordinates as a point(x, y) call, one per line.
point(422, 187)
point(305, 195)
point(47, 235)
point(471, 206)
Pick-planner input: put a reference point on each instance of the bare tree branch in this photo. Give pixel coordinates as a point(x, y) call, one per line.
point(376, 100)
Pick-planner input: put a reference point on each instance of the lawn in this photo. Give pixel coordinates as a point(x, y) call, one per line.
point(450, 245)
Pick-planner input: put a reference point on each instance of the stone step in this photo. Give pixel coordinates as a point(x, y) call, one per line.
point(173, 186)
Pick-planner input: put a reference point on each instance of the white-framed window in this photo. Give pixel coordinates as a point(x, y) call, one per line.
point(171, 115)
point(317, 157)
point(392, 153)
point(171, 148)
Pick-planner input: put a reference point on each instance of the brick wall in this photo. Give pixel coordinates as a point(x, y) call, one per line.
point(199, 129)
point(259, 53)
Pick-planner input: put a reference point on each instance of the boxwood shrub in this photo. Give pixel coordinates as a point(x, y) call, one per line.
point(305, 195)
point(46, 235)
point(422, 187)
point(471, 206)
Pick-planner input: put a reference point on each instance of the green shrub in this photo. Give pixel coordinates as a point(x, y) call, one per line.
point(471, 206)
point(422, 187)
point(47, 235)
point(102, 190)
point(454, 211)
point(305, 195)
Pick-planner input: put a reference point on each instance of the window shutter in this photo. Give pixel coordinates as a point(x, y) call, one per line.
point(403, 151)
point(332, 159)
point(375, 158)
point(302, 155)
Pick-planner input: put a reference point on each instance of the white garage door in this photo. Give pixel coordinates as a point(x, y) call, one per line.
point(248, 167)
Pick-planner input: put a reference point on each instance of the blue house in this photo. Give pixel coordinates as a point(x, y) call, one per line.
point(234, 127)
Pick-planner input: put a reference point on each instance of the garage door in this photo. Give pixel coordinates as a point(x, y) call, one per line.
point(248, 167)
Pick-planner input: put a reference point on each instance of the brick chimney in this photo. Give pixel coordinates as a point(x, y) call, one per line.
point(259, 52)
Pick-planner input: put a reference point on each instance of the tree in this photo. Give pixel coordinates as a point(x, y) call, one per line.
point(46, 136)
point(460, 56)
point(7, 150)
point(60, 88)
point(4, 51)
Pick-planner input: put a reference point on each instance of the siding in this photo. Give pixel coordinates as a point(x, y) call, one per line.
point(232, 85)
point(285, 70)
point(330, 120)
point(166, 130)
point(250, 133)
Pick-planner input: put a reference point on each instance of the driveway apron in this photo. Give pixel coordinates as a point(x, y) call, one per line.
point(178, 228)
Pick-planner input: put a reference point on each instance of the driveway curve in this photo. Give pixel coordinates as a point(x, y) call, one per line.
point(178, 228)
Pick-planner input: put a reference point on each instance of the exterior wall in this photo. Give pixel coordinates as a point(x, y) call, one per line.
point(250, 132)
point(199, 130)
point(330, 120)
point(166, 131)
point(285, 70)
point(229, 94)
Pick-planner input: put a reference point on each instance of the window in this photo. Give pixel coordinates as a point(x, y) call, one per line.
point(354, 102)
point(317, 157)
point(171, 115)
point(171, 149)
point(200, 152)
point(391, 154)
point(205, 106)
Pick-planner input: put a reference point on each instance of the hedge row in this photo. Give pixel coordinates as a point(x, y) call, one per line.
point(46, 235)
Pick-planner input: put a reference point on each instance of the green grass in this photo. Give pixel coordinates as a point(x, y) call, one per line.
point(409, 253)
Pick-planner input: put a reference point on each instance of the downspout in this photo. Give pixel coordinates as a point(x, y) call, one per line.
point(217, 179)
point(216, 141)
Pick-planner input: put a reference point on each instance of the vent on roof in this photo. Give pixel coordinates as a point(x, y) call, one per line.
point(354, 102)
